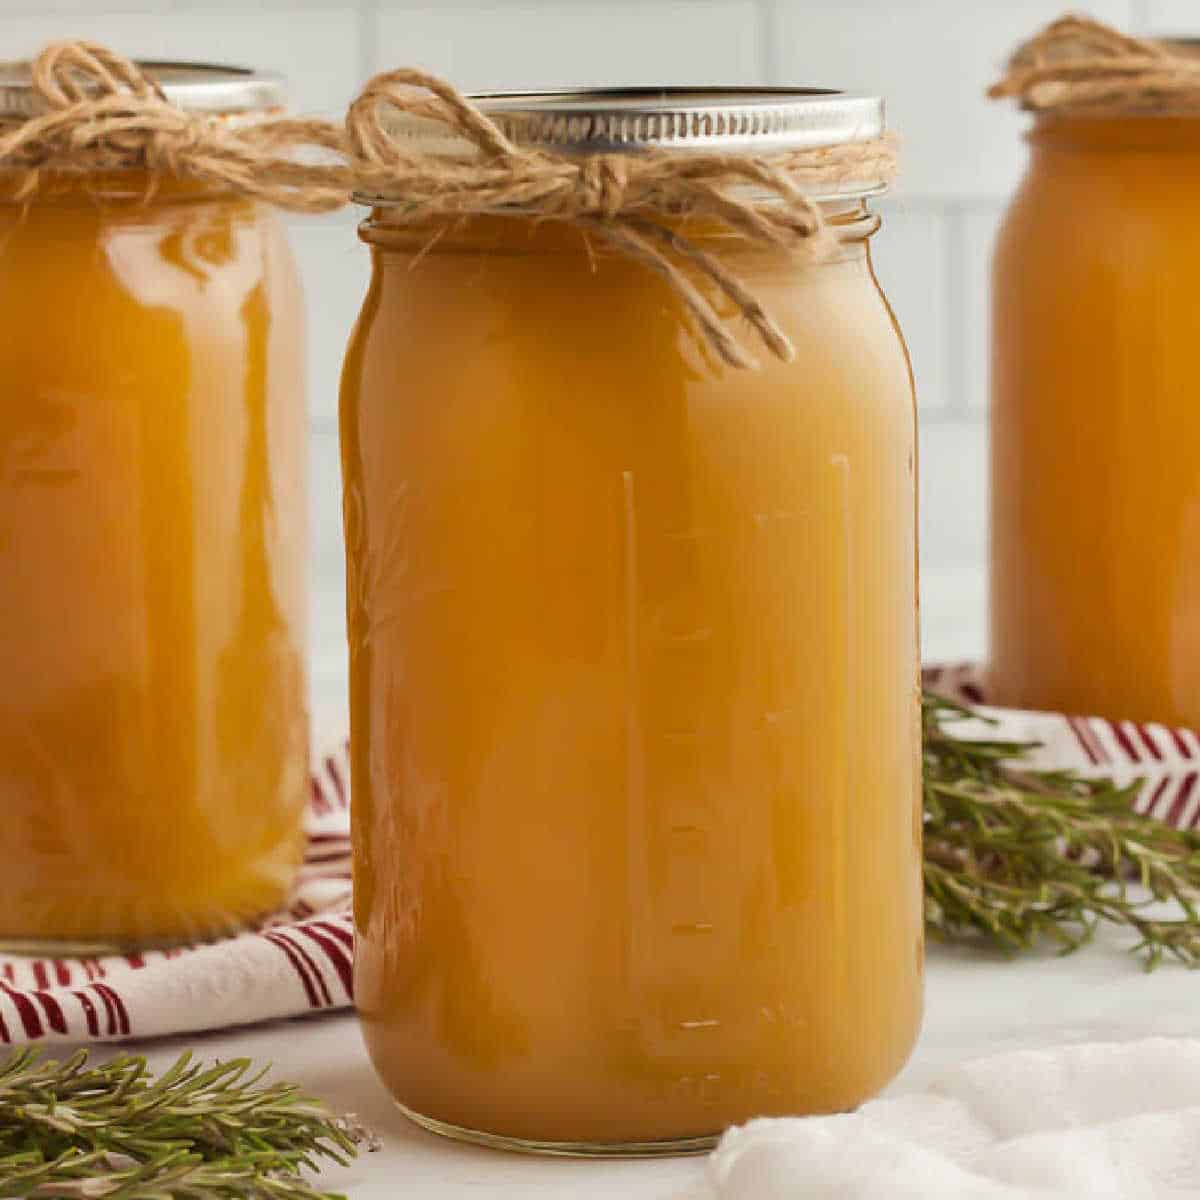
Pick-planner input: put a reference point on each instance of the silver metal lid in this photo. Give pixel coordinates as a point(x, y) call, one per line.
point(747, 121)
point(195, 87)
point(729, 120)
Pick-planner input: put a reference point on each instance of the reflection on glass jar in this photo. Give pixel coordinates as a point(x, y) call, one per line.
point(1095, 511)
point(153, 730)
point(633, 691)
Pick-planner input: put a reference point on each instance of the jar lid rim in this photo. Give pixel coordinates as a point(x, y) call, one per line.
point(725, 120)
point(216, 88)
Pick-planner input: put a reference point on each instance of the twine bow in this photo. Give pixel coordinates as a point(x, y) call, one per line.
point(97, 111)
point(630, 201)
point(1080, 65)
point(103, 113)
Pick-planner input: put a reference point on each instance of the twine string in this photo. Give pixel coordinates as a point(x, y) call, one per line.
point(97, 111)
point(1079, 65)
point(633, 202)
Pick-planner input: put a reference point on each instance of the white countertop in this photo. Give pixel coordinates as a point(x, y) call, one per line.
point(976, 1004)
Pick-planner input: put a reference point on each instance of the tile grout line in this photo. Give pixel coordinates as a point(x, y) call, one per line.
point(368, 38)
point(953, 234)
point(950, 418)
point(768, 37)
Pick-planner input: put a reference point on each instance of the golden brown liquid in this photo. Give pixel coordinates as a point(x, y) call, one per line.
point(1096, 425)
point(152, 556)
point(633, 664)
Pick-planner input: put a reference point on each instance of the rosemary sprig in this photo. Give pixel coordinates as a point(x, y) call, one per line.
point(70, 1130)
point(1023, 857)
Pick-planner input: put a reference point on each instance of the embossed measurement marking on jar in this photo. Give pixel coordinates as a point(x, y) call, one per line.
point(671, 638)
point(695, 700)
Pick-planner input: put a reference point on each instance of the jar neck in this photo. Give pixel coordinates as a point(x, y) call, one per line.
point(1115, 134)
point(119, 188)
point(385, 228)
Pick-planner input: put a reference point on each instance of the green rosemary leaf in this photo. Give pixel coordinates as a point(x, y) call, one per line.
point(72, 1130)
point(1020, 857)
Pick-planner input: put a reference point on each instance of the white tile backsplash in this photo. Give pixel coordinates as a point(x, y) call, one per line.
point(46, 8)
point(954, 613)
point(1164, 18)
point(932, 60)
point(316, 46)
point(910, 263)
point(953, 472)
point(335, 267)
point(980, 225)
point(520, 44)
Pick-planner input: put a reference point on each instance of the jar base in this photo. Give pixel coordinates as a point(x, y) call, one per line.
point(68, 948)
point(496, 1141)
point(90, 948)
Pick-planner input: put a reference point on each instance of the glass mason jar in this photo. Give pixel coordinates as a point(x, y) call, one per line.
point(633, 656)
point(153, 733)
point(1095, 509)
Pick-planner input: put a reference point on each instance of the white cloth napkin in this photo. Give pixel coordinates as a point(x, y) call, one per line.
point(1082, 1122)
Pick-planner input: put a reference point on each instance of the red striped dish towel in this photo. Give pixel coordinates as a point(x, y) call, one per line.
point(296, 962)
point(1166, 760)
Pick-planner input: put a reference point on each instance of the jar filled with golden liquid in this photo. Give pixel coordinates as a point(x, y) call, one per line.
point(1095, 510)
point(633, 656)
point(153, 726)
